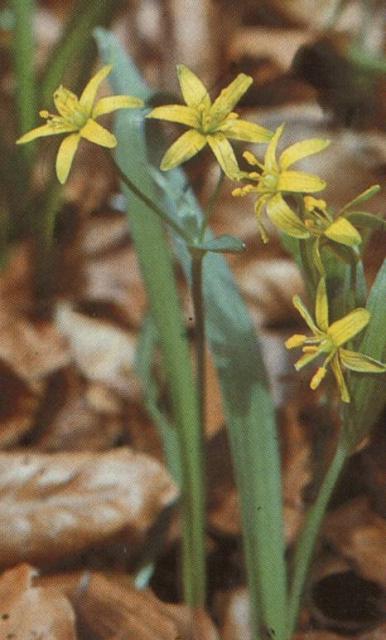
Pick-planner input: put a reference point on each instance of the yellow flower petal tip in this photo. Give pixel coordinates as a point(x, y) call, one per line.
point(76, 118)
point(214, 122)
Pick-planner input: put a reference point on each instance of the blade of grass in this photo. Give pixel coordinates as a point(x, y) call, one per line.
point(158, 274)
point(23, 51)
point(76, 42)
point(147, 345)
point(306, 543)
point(247, 402)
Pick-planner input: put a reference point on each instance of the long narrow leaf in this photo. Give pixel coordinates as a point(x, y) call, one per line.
point(76, 42)
point(247, 400)
point(158, 274)
point(24, 11)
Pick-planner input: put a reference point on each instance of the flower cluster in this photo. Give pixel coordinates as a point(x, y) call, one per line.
point(287, 195)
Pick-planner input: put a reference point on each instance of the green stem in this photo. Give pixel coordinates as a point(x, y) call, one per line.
point(24, 11)
point(211, 204)
point(307, 541)
point(200, 342)
point(157, 271)
point(165, 217)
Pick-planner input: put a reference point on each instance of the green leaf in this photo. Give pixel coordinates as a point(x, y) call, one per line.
point(367, 220)
point(221, 244)
point(362, 197)
point(246, 394)
point(368, 391)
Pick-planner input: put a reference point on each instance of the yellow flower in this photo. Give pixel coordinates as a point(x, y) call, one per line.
point(328, 339)
point(209, 123)
point(273, 179)
point(77, 118)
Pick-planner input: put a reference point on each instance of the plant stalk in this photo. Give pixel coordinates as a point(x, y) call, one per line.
point(308, 538)
point(160, 287)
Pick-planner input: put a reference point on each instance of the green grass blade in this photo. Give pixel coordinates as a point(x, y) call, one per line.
point(75, 44)
point(24, 59)
point(158, 274)
point(247, 402)
point(308, 537)
point(147, 345)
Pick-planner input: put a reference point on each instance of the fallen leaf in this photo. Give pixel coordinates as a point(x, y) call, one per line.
point(54, 505)
point(112, 610)
point(102, 351)
point(31, 350)
point(77, 415)
point(360, 536)
point(28, 612)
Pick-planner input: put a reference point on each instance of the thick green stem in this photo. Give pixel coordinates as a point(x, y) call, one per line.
point(306, 544)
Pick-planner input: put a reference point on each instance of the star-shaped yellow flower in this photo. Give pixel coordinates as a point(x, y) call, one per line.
point(209, 123)
point(273, 180)
point(328, 339)
point(77, 118)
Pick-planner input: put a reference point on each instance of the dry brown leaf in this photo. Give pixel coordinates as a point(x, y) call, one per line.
point(115, 279)
point(32, 351)
point(56, 504)
point(103, 352)
point(297, 472)
point(114, 611)
point(360, 535)
point(79, 416)
point(33, 613)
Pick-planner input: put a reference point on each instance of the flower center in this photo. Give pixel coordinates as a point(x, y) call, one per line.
point(269, 182)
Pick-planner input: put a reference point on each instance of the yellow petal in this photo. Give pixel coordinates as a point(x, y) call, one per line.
point(177, 113)
point(346, 328)
point(45, 130)
point(285, 219)
point(67, 102)
point(270, 162)
point(94, 132)
point(295, 341)
point(301, 150)
point(228, 98)
point(112, 103)
point(224, 154)
point(88, 96)
point(65, 156)
point(246, 131)
point(193, 90)
point(360, 362)
point(299, 182)
point(321, 305)
point(307, 358)
point(342, 231)
point(298, 304)
point(184, 148)
point(337, 371)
